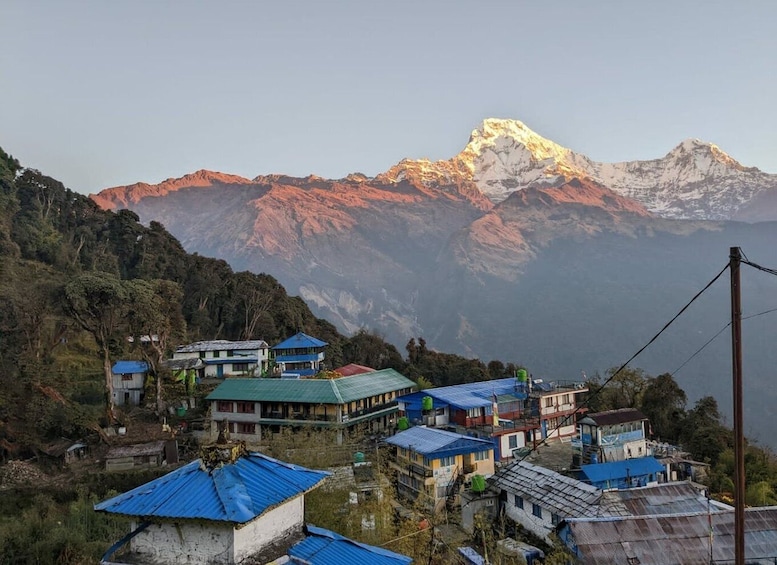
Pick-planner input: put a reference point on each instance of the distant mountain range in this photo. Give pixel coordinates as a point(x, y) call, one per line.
point(515, 249)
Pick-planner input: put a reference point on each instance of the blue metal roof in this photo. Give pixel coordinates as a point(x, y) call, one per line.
point(615, 470)
point(125, 367)
point(469, 395)
point(237, 492)
point(300, 341)
point(323, 547)
point(439, 443)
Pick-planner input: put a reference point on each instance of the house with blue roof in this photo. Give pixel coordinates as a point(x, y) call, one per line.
point(629, 473)
point(513, 412)
point(299, 356)
point(222, 358)
point(230, 506)
point(432, 464)
point(129, 379)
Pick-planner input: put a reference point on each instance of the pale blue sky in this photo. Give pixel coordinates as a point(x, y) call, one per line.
point(99, 93)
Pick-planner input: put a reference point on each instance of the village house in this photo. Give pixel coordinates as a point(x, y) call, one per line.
point(614, 435)
point(129, 379)
point(432, 464)
point(141, 455)
point(510, 412)
point(231, 506)
point(254, 408)
point(222, 358)
point(539, 499)
point(299, 356)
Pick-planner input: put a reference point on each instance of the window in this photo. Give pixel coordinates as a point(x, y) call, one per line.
point(554, 519)
point(518, 501)
point(513, 441)
point(245, 407)
point(536, 510)
point(230, 353)
point(224, 406)
point(481, 455)
point(440, 412)
point(246, 428)
point(202, 355)
point(240, 367)
point(548, 402)
point(448, 461)
point(126, 377)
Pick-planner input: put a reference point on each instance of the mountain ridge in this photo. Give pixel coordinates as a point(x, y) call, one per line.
point(694, 180)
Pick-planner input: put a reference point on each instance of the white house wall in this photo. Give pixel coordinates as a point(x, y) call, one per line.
point(186, 543)
point(212, 543)
point(504, 443)
point(539, 526)
point(271, 526)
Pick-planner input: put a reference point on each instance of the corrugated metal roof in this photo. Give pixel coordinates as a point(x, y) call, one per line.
point(677, 538)
point(300, 341)
point(237, 492)
point(563, 495)
point(125, 367)
point(620, 416)
point(137, 450)
point(183, 364)
point(432, 441)
point(316, 391)
point(353, 369)
point(665, 498)
point(222, 345)
point(469, 395)
point(323, 547)
point(615, 470)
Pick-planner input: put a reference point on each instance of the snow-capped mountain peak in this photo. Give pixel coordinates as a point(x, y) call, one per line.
point(695, 180)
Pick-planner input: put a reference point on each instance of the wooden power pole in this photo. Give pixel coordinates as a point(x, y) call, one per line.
point(735, 259)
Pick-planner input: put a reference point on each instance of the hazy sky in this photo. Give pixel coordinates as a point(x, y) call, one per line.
point(100, 93)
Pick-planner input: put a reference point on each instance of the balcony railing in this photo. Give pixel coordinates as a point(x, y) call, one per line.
point(372, 409)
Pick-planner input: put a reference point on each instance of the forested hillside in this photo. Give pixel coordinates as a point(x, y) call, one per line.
point(77, 281)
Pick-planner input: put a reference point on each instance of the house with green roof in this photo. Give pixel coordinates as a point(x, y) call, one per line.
point(253, 408)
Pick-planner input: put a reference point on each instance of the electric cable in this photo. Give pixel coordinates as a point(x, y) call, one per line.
point(588, 400)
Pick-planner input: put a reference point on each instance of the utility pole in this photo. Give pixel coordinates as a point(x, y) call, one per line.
point(735, 259)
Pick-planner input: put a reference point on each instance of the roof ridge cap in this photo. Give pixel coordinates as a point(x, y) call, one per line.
point(336, 390)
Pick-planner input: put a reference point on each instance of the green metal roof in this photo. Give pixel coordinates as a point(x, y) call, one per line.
point(312, 391)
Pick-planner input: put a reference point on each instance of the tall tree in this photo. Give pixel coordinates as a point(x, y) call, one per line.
point(155, 321)
point(663, 402)
point(99, 303)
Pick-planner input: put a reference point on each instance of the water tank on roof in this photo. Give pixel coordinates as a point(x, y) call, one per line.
point(358, 457)
point(403, 423)
point(522, 375)
point(478, 483)
point(427, 403)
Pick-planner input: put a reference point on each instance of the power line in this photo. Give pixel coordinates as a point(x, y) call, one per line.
point(760, 268)
point(717, 334)
point(643, 348)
